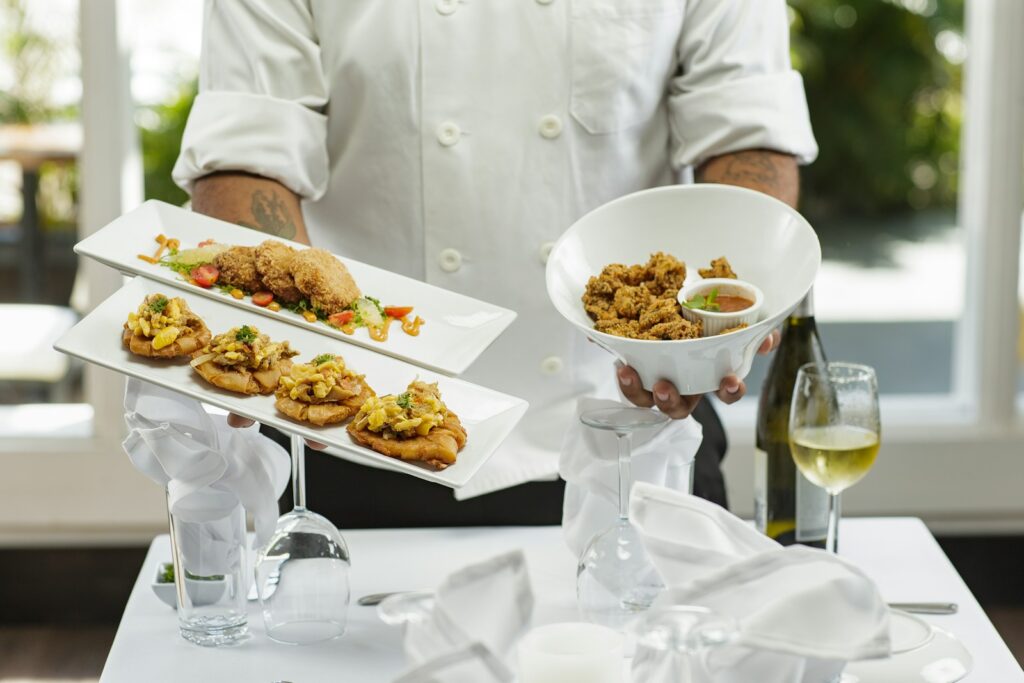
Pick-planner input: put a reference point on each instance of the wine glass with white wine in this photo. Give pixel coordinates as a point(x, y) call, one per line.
point(834, 429)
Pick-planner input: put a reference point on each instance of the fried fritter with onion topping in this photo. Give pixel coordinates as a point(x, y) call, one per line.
point(639, 301)
point(415, 425)
point(244, 360)
point(164, 328)
point(322, 392)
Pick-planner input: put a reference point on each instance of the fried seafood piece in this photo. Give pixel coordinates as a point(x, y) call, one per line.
point(322, 392)
point(237, 266)
point(415, 425)
point(664, 274)
point(244, 360)
point(719, 268)
point(164, 328)
point(274, 265)
point(737, 328)
point(324, 279)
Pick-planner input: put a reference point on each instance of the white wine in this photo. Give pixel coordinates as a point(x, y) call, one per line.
point(835, 457)
point(787, 507)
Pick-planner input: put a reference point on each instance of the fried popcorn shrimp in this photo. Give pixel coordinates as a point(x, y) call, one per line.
point(324, 279)
point(719, 268)
point(237, 267)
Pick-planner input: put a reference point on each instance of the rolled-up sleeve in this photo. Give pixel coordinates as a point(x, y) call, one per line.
point(261, 98)
point(735, 88)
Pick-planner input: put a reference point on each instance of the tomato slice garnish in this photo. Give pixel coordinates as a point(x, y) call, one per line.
point(341, 318)
point(397, 311)
point(205, 275)
point(208, 242)
point(262, 298)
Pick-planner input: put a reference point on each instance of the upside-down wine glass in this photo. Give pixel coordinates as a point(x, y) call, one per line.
point(302, 573)
point(834, 429)
point(615, 578)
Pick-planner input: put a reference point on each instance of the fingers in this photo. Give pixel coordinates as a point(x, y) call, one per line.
point(316, 445)
point(629, 385)
point(668, 400)
point(239, 421)
point(770, 343)
point(731, 389)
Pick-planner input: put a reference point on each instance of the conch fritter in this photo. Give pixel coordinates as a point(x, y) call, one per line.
point(244, 360)
point(415, 425)
point(237, 266)
point(322, 392)
point(164, 328)
point(639, 301)
point(274, 264)
point(324, 279)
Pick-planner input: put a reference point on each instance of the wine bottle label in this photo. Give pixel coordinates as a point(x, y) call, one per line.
point(760, 490)
point(811, 511)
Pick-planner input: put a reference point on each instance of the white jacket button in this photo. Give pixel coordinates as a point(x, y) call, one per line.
point(552, 365)
point(448, 133)
point(450, 260)
point(550, 127)
point(545, 251)
point(446, 7)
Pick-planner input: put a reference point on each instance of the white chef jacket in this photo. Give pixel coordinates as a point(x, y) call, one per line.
point(454, 140)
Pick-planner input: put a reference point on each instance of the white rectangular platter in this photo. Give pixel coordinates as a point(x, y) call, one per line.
point(488, 416)
point(458, 328)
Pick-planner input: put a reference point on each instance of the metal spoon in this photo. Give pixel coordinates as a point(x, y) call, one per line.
point(926, 607)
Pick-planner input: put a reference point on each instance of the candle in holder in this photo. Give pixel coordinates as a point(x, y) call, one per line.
point(571, 653)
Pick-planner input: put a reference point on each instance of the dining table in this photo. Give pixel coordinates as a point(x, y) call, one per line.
point(899, 553)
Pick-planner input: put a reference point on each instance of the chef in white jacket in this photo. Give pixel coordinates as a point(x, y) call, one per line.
point(454, 140)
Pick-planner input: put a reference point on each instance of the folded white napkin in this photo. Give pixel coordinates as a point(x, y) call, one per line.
point(489, 604)
point(802, 613)
point(589, 464)
point(207, 467)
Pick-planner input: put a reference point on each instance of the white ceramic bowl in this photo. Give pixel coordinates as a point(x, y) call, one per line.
point(202, 592)
point(768, 244)
point(713, 322)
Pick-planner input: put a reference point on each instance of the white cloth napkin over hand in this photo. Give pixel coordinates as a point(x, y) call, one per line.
point(207, 467)
point(589, 464)
point(802, 613)
point(479, 613)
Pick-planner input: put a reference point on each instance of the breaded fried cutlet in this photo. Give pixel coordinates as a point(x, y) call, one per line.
point(237, 267)
point(324, 279)
point(719, 268)
point(274, 265)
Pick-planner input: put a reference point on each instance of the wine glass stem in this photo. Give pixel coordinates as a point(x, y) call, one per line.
point(298, 472)
point(832, 538)
point(625, 475)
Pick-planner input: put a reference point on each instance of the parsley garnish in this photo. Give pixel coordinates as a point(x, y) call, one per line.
point(704, 303)
point(246, 335)
point(404, 400)
point(158, 305)
point(323, 358)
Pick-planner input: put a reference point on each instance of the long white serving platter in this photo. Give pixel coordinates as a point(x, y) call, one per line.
point(488, 416)
point(458, 328)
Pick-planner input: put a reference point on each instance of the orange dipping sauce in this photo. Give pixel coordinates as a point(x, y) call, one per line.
point(728, 303)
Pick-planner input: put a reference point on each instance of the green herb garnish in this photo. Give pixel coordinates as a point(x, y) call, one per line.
point(158, 305)
point(704, 303)
point(404, 400)
point(245, 334)
point(166, 574)
point(323, 358)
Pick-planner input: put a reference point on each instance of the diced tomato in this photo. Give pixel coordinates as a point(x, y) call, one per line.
point(206, 243)
point(262, 298)
point(205, 275)
point(397, 311)
point(342, 318)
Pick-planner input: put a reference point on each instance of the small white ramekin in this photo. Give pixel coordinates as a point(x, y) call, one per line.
point(714, 321)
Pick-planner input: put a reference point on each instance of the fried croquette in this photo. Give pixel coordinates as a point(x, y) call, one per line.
point(639, 301)
point(324, 280)
point(274, 265)
point(237, 267)
point(719, 268)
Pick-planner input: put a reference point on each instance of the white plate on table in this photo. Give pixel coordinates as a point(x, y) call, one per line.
point(921, 653)
point(487, 415)
point(458, 328)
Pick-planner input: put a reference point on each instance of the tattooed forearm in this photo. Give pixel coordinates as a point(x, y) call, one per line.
point(770, 172)
point(249, 200)
point(270, 215)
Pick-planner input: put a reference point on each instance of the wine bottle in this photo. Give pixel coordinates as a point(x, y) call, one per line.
point(787, 507)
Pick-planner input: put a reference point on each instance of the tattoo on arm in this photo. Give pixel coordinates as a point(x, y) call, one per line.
point(770, 172)
point(270, 215)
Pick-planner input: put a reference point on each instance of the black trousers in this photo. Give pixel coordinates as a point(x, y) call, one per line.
point(357, 497)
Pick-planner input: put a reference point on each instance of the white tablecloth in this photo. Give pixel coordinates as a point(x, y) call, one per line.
point(899, 553)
